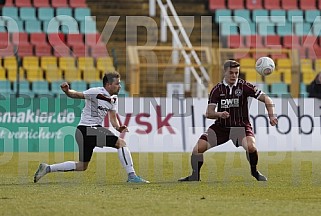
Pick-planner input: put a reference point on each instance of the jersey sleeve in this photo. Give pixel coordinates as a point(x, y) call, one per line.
point(252, 91)
point(91, 93)
point(214, 96)
point(114, 102)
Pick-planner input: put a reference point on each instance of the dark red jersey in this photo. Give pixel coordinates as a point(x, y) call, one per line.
point(234, 100)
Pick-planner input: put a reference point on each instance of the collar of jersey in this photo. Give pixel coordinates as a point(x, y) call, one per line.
point(226, 84)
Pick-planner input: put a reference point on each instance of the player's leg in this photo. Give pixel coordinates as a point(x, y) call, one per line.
point(205, 142)
point(126, 160)
point(248, 144)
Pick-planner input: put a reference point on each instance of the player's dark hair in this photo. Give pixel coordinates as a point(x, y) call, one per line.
point(110, 77)
point(231, 64)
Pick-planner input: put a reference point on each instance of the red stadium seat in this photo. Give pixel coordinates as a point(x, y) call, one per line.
point(59, 3)
point(291, 41)
point(4, 39)
point(235, 4)
point(235, 41)
point(43, 50)
point(38, 38)
point(289, 4)
point(272, 41)
point(309, 40)
point(61, 50)
point(25, 50)
point(308, 4)
point(253, 4)
point(23, 3)
point(314, 52)
point(41, 3)
point(272, 4)
point(80, 51)
point(77, 3)
point(8, 50)
point(8, 3)
point(217, 4)
point(93, 39)
point(56, 39)
point(253, 41)
point(74, 39)
point(20, 38)
point(98, 51)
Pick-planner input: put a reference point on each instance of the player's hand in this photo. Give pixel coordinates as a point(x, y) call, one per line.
point(224, 115)
point(273, 120)
point(64, 87)
point(122, 129)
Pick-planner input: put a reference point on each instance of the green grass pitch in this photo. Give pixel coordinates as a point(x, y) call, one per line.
point(294, 186)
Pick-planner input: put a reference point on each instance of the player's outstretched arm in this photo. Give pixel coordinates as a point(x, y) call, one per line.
point(269, 105)
point(71, 93)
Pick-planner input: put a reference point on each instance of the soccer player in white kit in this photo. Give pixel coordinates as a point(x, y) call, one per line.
point(90, 133)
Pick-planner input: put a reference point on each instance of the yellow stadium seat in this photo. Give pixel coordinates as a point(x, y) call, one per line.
point(53, 74)
point(283, 63)
point(48, 62)
point(66, 63)
point(306, 65)
point(274, 77)
point(308, 77)
point(251, 75)
point(85, 62)
point(247, 63)
point(287, 76)
point(2, 73)
point(105, 64)
point(31, 66)
point(72, 74)
point(317, 65)
point(91, 75)
point(11, 65)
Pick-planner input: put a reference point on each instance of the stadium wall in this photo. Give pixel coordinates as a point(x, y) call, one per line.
point(155, 124)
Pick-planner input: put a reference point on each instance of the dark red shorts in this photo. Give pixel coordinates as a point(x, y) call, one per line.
point(217, 135)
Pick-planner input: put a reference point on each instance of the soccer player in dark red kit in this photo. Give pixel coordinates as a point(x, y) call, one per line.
point(228, 104)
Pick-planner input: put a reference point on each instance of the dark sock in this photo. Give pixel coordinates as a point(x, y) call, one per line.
point(253, 158)
point(197, 162)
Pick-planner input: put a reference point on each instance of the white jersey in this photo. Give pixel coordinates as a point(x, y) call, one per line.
point(95, 110)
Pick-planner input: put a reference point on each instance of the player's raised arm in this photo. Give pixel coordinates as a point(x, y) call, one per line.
point(71, 93)
point(269, 105)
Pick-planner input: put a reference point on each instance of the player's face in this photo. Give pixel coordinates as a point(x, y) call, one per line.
point(231, 75)
point(114, 88)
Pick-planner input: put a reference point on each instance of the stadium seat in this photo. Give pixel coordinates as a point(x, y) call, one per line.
point(38, 38)
point(283, 63)
point(40, 87)
point(254, 41)
point(41, 3)
point(311, 15)
point(308, 41)
point(242, 15)
point(48, 62)
point(302, 29)
point(294, 16)
point(284, 29)
point(85, 62)
point(235, 41)
point(278, 16)
point(291, 41)
point(316, 28)
point(61, 51)
point(317, 65)
point(78, 85)
point(247, 28)
point(4, 39)
point(266, 28)
point(31, 67)
point(94, 40)
point(289, 4)
point(56, 39)
point(260, 16)
point(88, 26)
point(75, 39)
point(8, 50)
point(235, 4)
point(43, 50)
point(307, 4)
point(95, 84)
point(91, 75)
point(10, 12)
point(306, 65)
point(105, 64)
point(27, 13)
point(287, 76)
point(33, 26)
point(45, 13)
point(98, 51)
point(2, 25)
point(6, 88)
point(80, 51)
point(251, 75)
point(51, 26)
point(66, 62)
point(63, 11)
point(55, 88)
point(216, 4)
point(77, 3)
point(11, 65)
point(247, 63)
point(24, 87)
point(272, 4)
point(272, 41)
point(59, 3)
point(23, 3)
point(273, 78)
point(2, 74)
point(19, 38)
point(53, 74)
point(72, 74)
point(253, 5)
point(25, 50)
point(81, 13)
point(303, 90)
point(223, 15)
point(69, 26)
point(8, 3)
point(279, 89)
point(308, 77)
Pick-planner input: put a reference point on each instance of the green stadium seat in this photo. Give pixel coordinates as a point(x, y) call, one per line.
point(45, 13)
point(295, 16)
point(122, 91)
point(312, 15)
point(24, 87)
point(266, 28)
point(10, 12)
point(242, 16)
point(81, 13)
point(27, 13)
point(95, 84)
point(33, 26)
point(40, 87)
point(278, 16)
point(88, 26)
point(260, 16)
point(63, 12)
point(5, 86)
point(2, 25)
point(51, 26)
point(303, 90)
point(284, 29)
point(247, 28)
point(224, 15)
point(279, 89)
point(15, 25)
point(301, 29)
point(78, 85)
point(55, 88)
point(69, 26)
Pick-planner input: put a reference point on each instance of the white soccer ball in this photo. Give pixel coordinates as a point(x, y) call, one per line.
point(264, 66)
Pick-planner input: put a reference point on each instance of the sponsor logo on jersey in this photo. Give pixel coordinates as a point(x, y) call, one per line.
point(103, 108)
point(228, 103)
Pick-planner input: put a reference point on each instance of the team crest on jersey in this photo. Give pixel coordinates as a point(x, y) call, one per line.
point(238, 92)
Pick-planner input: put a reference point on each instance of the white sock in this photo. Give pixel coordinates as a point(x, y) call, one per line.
point(63, 167)
point(126, 159)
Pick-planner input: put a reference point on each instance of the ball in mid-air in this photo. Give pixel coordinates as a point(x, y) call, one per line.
point(264, 66)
